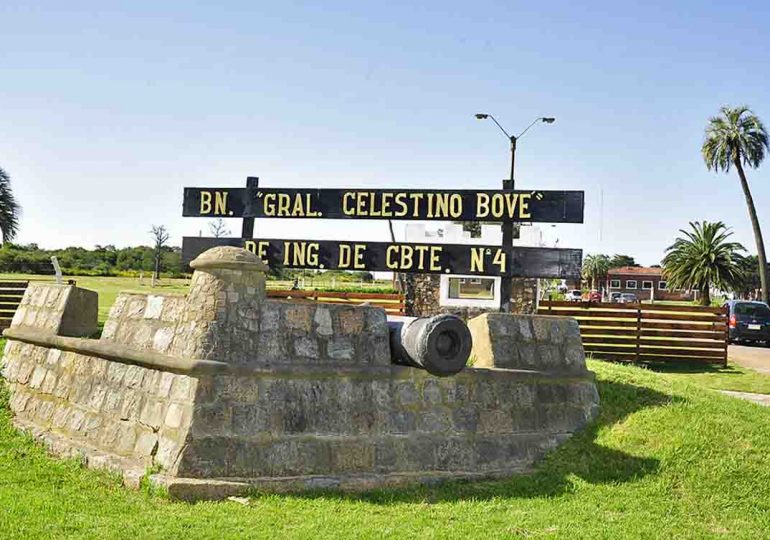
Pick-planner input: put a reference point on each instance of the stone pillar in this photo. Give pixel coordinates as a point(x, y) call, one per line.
point(64, 310)
point(222, 319)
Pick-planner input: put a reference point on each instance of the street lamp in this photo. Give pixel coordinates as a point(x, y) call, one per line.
point(506, 283)
point(514, 138)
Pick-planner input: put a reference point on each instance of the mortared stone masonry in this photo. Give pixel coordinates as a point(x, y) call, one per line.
point(222, 390)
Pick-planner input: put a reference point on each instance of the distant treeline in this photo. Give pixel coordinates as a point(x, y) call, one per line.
point(100, 261)
point(130, 261)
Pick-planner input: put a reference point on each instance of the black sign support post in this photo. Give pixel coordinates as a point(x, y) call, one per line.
point(506, 283)
point(252, 184)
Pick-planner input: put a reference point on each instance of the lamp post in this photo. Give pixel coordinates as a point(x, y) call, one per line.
point(506, 286)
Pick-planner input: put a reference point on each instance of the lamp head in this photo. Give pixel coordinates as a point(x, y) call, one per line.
point(481, 116)
point(548, 119)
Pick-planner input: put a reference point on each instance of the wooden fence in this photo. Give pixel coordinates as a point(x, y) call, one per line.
point(648, 332)
point(393, 304)
point(10, 297)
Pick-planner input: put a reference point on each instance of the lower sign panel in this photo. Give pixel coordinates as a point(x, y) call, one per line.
point(401, 257)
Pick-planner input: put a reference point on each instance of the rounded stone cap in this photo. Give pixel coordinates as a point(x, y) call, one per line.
point(228, 257)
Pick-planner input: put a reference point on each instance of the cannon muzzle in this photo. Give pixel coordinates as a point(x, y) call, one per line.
point(440, 345)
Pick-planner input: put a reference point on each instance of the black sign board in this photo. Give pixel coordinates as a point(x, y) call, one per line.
point(402, 257)
point(444, 205)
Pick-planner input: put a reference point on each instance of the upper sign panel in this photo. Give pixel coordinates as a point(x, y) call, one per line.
point(417, 205)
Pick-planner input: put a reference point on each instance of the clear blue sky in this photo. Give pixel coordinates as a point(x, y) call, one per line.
point(109, 110)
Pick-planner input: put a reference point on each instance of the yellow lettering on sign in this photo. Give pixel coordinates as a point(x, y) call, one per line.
point(406, 257)
point(312, 254)
point(358, 259)
point(262, 250)
point(268, 204)
point(250, 245)
point(524, 205)
point(347, 207)
point(477, 259)
point(298, 255)
point(386, 212)
point(497, 205)
point(286, 253)
point(435, 255)
point(416, 198)
point(455, 205)
point(430, 205)
point(283, 204)
point(482, 205)
point(345, 256)
point(205, 202)
point(391, 257)
point(499, 260)
point(401, 202)
point(442, 205)
point(220, 203)
point(510, 203)
point(298, 211)
point(421, 251)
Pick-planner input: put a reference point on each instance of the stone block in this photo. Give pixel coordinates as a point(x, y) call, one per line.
point(299, 316)
point(306, 347)
point(340, 348)
point(531, 342)
point(351, 321)
point(323, 322)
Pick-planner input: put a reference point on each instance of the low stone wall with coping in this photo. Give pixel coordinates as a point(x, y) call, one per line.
point(222, 390)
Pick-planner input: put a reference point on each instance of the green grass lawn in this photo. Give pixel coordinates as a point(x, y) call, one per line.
point(668, 457)
point(109, 287)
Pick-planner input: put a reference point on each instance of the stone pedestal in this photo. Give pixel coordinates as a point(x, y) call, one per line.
point(224, 390)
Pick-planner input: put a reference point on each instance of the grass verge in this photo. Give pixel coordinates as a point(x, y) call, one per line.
point(666, 458)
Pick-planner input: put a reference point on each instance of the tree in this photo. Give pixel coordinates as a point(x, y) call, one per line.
point(704, 258)
point(595, 267)
point(160, 237)
point(9, 209)
point(619, 261)
point(218, 228)
point(736, 138)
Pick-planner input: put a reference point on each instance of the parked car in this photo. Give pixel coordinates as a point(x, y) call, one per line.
point(594, 296)
point(614, 296)
point(627, 298)
point(748, 321)
point(575, 295)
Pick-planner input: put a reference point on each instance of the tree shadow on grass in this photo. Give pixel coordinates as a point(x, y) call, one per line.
point(580, 456)
point(693, 368)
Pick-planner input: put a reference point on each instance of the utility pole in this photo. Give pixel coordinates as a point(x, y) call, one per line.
point(506, 283)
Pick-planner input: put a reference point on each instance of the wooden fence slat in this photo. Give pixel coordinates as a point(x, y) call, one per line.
point(680, 317)
point(598, 332)
point(631, 340)
point(393, 304)
point(331, 294)
point(705, 334)
point(624, 357)
point(642, 332)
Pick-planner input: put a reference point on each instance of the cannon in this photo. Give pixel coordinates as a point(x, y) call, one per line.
point(440, 345)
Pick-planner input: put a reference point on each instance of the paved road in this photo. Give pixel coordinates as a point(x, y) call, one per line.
point(756, 357)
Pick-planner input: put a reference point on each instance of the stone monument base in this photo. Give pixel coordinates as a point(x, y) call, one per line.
point(223, 391)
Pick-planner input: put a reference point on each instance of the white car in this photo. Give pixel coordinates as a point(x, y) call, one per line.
point(575, 295)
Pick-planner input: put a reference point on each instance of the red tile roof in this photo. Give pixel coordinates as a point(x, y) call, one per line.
point(635, 271)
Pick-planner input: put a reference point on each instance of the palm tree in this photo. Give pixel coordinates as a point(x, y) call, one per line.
point(704, 258)
point(595, 267)
point(736, 138)
point(9, 209)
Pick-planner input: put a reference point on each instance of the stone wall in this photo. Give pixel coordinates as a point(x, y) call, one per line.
point(539, 342)
point(62, 309)
point(423, 297)
point(224, 390)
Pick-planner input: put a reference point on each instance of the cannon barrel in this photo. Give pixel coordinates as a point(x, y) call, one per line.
point(440, 345)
